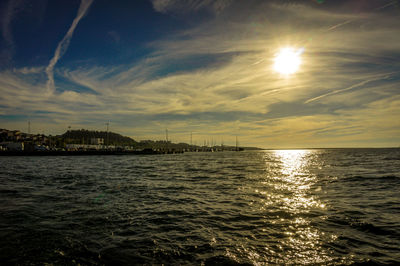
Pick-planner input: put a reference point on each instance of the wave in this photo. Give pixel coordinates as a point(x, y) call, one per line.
point(357, 178)
point(362, 226)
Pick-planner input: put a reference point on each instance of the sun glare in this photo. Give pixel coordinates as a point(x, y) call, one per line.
point(287, 60)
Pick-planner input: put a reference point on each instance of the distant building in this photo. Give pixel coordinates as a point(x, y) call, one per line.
point(76, 147)
point(12, 146)
point(97, 141)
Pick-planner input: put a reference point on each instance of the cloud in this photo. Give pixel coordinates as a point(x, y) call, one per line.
point(346, 84)
point(335, 64)
point(8, 14)
point(29, 70)
point(165, 6)
point(362, 83)
point(64, 43)
point(115, 37)
point(10, 10)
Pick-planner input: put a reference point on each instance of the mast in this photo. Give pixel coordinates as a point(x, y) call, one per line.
point(166, 137)
point(236, 143)
point(108, 139)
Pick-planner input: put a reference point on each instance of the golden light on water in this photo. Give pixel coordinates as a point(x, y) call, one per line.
point(288, 197)
point(296, 178)
point(294, 186)
point(288, 60)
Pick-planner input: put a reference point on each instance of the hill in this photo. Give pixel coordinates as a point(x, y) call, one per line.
point(84, 136)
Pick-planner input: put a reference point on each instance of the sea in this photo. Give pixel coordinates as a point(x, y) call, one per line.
point(315, 207)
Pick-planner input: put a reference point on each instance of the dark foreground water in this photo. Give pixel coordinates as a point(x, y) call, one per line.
point(264, 207)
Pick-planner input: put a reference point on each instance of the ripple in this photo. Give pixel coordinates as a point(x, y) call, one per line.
point(263, 207)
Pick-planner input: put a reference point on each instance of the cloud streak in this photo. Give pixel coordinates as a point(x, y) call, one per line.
point(233, 88)
point(7, 16)
point(165, 6)
point(357, 85)
point(63, 45)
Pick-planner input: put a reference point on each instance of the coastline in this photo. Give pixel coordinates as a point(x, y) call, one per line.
point(84, 153)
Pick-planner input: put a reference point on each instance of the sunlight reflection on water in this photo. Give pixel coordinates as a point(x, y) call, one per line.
point(297, 207)
point(296, 178)
point(292, 195)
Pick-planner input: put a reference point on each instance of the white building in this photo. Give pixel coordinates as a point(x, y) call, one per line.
point(97, 141)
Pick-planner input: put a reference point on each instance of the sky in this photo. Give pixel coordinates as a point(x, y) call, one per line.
point(204, 67)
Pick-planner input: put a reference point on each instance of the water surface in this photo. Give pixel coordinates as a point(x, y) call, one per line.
point(338, 206)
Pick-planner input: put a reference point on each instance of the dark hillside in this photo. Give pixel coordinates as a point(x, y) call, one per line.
point(84, 136)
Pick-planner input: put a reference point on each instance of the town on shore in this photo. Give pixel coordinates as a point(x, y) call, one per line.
point(89, 142)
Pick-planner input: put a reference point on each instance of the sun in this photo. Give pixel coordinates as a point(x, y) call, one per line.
point(287, 60)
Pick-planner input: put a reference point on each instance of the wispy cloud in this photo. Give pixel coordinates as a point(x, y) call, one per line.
point(29, 70)
point(64, 43)
point(165, 6)
point(345, 75)
point(360, 84)
point(115, 37)
point(9, 12)
point(244, 82)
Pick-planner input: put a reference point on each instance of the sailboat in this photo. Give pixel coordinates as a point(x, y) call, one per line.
point(237, 145)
